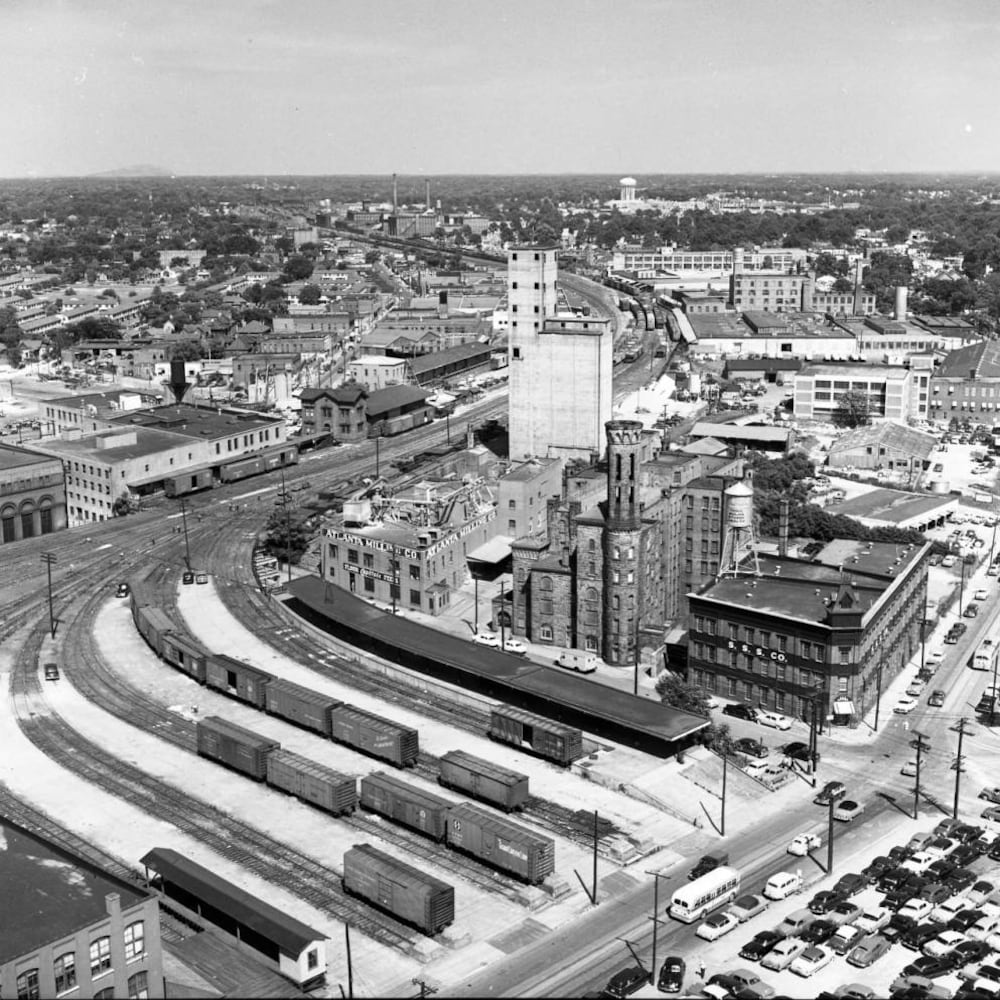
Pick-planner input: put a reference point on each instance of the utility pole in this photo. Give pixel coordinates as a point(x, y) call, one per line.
point(501, 616)
point(425, 990)
point(920, 745)
point(350, 968)
point(923, 636)
point(993, 704)
point(878, 689)
point(378, 438)
point(394, 586)
point(187, 545)
point(957, 765)
point(961, 589)
point(656, 917)
point(829, 838)
point(49, 558)
point(288, 526)
point(722, 818)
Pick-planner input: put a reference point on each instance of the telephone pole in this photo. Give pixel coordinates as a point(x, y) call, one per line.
point(959, 760)
point(829, 838)
point(425, 990)
point(187, 545)
point(49, 558)
point(722, 818)
point(656, 917)
point(920, 745)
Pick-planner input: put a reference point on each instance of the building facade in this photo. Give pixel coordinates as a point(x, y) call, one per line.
point(892, 391)
point(341, 412)
point(523, 495)
point(967, 385)
point(32, 494)
point(377, 372)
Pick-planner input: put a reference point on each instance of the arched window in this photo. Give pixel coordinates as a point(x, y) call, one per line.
point(138, 988)
point(545, 583)
point(27, 520)
point(592, 545)
point(590, 595)
point(64, 969)
point(100, 956)
point(134, 935)
point(7, 524)
point(27, 985)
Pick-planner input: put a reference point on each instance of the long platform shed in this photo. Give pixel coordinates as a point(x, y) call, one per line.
point(295, 949)
point(556, 694)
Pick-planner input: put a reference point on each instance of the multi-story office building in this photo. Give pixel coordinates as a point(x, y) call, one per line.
point(559, 365)
point(833, 631)
point(893, 392)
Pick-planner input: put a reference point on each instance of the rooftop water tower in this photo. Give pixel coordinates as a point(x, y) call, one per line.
point(739, 540)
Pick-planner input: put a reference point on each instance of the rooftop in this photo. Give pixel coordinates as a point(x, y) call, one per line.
point(889, 434)
point(741, 432)
point(983, 358)
point(460, 352)
point(890, 506)
point(527, 471)
point(12, 457)
point(198, 422)
point(832, 369)
point(49, 893)
point(384, 400)
point(727, 326)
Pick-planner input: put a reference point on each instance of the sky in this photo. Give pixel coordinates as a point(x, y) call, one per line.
point(203, 87)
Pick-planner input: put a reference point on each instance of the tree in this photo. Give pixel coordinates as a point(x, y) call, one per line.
point(186, 350)
point(852, 410)
point(287, 534)
point(123, 505)
point(677, 693)
point(310, 295)
point(297, 268)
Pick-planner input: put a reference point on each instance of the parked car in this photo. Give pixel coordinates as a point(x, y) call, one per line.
point(987, 924)
point(905, 705)
point(716, 925)
point(871, 921)
point(748, 906)
point(811, 960)
point(916, 908)
point(846, 937)
point(512, 644)
point(916, 688)
point(991, 794)
point(936, 700)
point(918, 986)
point(774, 719)
point(819, 931)
point(980, 892)
point(825, 901)
point(850, 883)
point(845, 912)
point(948, 561)
point(752, 748)
point(784, 953)
point(51, 671)
point(122, 590)
point(971, 611)
point(981, 595)
point(909, 769)
point(738, 710)
point(847, 810)
point(834, 790)
point(964, 919)
point(493, 642)
point(854, 991)
point(869, 951)
point(943, 943)
point(626, 982)
point(671, 977)
point(759, 945)
point(919, 935)
point(750, 984)
point(897, 927)
point(803, 844)
point(798, 751)
point(992, 813)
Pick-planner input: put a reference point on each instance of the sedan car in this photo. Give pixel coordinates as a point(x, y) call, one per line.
point(919, 935)
point(759, 945)
point(869, 951)
point(844, 913)
point(626, 982)
point(122, 590)
point(981, 595)
point(717, 925)
point(825, 901)
point(740, 711)
point(784, 953)
point(797, 751)
point(936, 700)
point(748, 906)
point(991, 813)
point(971, 611)
point(936, 658)
point(909, 769)
point(919, 986)
point(512, 644)
point(488, 639)
point(905, 705)
point(819, 931)
point(854, 991)
point(671, 977)
point(774, 719)
point(847, 810)
point(916, 908)
point(831, 790)
point(916, 688)
point(752, 748)
point(931, 966)
point(803, 844)
point(52, 671)
point(811, 960)
point(991, 795)
point(980, 892)
point(873, 920)
point(943, 943)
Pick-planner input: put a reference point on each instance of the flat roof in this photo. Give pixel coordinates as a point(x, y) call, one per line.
point(741, 432)
point(202, 422)
point(12, 457)
point(49, 893)
point(460, 352)
point(891, 506)
point(832, 370)
point(527, 470)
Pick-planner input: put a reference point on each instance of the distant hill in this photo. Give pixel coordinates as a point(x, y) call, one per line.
point(139, 170)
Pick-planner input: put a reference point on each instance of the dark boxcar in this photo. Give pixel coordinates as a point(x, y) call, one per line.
point(238, 748)
point(548, 739)
point(280, 457)
point(399, 889)
point(483, 779)
point(187, 482)
point(300, 705)
point(237, 678)
point(501, 843)
point(241, 469)
point(185, 654)
point(153, 625)
point(306, 779)
point(374, 735)
point(405, 804)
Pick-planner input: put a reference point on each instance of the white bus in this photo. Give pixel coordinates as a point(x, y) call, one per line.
point(986, 656)
point(692, 901)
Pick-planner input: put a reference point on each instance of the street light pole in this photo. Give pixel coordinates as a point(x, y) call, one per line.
point(878, 689)
point(49, 558)
point(187, 546)
point(829, 838)
point(961, 589)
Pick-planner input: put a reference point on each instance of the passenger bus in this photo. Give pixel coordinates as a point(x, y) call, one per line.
point(986, 655)
point(692, 901)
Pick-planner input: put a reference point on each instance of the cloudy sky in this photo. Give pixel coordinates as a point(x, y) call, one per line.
point(499, 86)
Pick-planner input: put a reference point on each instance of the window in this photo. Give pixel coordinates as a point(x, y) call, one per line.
point(512, 505)
point(415, 597)
point(64, 970)
point(134, 935)
point(545, 633)
point(312, 958)
point(100, 956)
point(414, 572)
point(844, 654)
point(512, 526)
point(369, 560)
point(137, 986)
point(782, 644)
point(352, 556)
point(369, 584)
point(27, 985)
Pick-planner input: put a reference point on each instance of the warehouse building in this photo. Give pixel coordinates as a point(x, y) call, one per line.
point(887, 445)
point(967, 385)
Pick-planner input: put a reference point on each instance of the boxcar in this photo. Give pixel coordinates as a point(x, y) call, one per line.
point(300, 705)
point(241, 469)
point(399, 889)
point(236, 747)
point(405, 804)
point(374, 735)
point(185, 654)
point(153, 624)
point(188, 482)
point(236, 678)
point(548, 739)
point(280, 457)
point(483, 780)
point(306, 779)
point(501, 843)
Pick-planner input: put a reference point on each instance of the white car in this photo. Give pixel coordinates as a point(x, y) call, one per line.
point(803, 844)
point(717, 925)
point(904, 706)
point(773, 719)
point(948, 562)
point(512, 644)
point(488, 639)
point(873, 920)
point(936, 657)
point(916, 908)
point(909, 769)
point(812, 960)
point(981, 595)
point(945, 942)
point(986, 925)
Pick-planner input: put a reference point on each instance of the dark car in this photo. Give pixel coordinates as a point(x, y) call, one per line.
point(188, 577)
point(759, 945)
point(819, 931)
point(918, 936)
point(898, 853)
point(671, 977)
point(831, 791)
point(960, 628)
point(938, 892)
point(971, 611)
point(964, 855)
point(879, 864)
point(941, 868)
point(122, 590)
point(960, 879)
point(707, 863)
point(752, 748)
point(971, 951)
point(963, 920)
point(725, 982)
point(51, 671)
point(967, 833)
point(739, 710)
point(626, 982)
point(797, 751)
point(893, 877)
point(850, 883)
point(825, 901)
point(930, 966)
point(898, 925)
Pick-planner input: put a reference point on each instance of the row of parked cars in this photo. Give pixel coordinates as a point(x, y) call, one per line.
point(933, 904)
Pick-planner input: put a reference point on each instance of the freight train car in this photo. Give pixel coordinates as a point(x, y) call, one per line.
point(398, 888)
point(405, 804)
point(279, 458)
point(188, 482)
point(548, 739)
point(185, 654)
point(241, 469)
point(500, 843)
point(303, 706)
point(153, 624)
point(236, 747)
point(374, 735)
point(238, 679)
point(484, 780)
point(311, 781)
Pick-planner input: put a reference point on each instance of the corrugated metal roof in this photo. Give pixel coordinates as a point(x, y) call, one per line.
point(289, 934)
point(384, 400)
point(889, 435)
point(427, 362)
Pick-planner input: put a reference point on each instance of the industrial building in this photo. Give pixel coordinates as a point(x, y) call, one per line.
point(72, 929)
point(893, 392)
point(829, 633)
point(886, 445)
point(668, 258)
point(374, 372)
point(967, 385)
point(559, 365)
point(770, 335)
point(32, 494)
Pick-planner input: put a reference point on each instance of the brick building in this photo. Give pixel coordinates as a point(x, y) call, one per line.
point(32, 494)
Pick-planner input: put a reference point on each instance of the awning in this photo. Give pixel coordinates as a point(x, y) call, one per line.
point(494, 551)
point(843, 706)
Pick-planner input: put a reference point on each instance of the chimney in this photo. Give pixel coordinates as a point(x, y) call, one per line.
point(470, 437)
point(427, 196)
point(783, 528)
point(972, 373)
point(859, 267)
point(113, 904)
point(178, 380)
point(395, 195)
point(900, 310)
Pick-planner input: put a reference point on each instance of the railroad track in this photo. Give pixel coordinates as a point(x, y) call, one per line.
point(265, 856)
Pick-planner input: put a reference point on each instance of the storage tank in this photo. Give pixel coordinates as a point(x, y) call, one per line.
point(739, 506)
point(694, 384)
point(939, 486)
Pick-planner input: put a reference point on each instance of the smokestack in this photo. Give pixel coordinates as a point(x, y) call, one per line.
point(901, 291)
point(395, 195)
point(858, 269)
point(427, 196)
point(783, 528)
